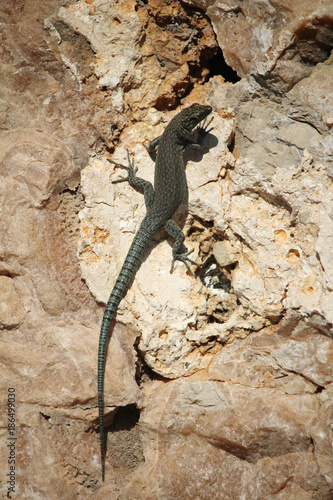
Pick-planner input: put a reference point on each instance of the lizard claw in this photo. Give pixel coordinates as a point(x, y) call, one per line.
point(183, 257)
point(130, 169)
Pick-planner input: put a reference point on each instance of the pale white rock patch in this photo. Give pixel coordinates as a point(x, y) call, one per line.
point(107, 26)
point(165, 307)
point(286, 233)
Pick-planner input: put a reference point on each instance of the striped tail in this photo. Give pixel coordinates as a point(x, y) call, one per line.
point(139, 244)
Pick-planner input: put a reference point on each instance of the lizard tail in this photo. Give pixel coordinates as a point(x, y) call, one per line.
point(134, 254)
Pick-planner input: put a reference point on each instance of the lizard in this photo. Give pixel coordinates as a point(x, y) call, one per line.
point(161, 202)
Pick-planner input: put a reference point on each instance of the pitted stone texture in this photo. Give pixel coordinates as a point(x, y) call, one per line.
point(168, 305)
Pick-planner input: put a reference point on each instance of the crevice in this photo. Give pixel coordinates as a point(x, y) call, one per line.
point(46, 417)
point(143, 372)
point(270, 443)
point(125, 419)
point(300, 374)
point(218, 66)
point(125, 448)
point(212, 276)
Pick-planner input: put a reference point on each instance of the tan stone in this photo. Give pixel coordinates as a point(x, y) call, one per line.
point(11, 310)
point(259, 436)
point(253, 333)
point(143, 49)
point(274, 37)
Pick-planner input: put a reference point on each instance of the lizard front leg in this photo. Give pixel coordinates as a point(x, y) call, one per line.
point(152, 145)
point(136, 182)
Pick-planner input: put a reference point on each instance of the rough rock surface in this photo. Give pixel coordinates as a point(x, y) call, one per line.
point(216, 388)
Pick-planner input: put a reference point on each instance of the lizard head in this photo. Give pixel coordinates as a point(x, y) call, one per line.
point(190, 117)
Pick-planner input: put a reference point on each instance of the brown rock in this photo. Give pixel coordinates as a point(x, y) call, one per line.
point(11, 310)
point(253, 333)
point(278, 44)
point(259, 436)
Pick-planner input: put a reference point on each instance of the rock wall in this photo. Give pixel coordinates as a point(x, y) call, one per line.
point(218, 387)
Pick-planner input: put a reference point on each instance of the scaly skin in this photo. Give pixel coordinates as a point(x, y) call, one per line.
point(161, 202)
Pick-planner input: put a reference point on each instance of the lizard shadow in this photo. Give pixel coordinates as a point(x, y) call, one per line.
point(210, 141)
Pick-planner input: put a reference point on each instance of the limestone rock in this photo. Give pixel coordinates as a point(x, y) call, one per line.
point(225, 254)
point(167, 305)
point(215, 387)
point(11, 310)
point(147, 51)
point(277, 45)
point(259, 436)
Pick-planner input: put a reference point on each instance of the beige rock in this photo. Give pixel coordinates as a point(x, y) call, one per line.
point(53, 370)
point(11, 310)
point(293, 365)
point(151, 60)
point(225, 254)
point(167, 305)
point(60, 372)
point(260, 436)
point(253, 332)
point(271, 39)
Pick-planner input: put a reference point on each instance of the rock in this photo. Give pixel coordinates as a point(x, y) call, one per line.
point(147, 50)
point(278, 46)
point(224, 253)
point(262, 448)
point(226, 376)
point(11, 310)
point(320, 101)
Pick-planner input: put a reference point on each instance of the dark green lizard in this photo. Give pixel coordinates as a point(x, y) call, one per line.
point(161, 201)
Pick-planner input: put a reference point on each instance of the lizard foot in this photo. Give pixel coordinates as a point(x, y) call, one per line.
point(183, 257)
point(130, 169)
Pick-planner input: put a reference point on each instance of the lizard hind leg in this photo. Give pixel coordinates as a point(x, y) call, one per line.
point(179, 252)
